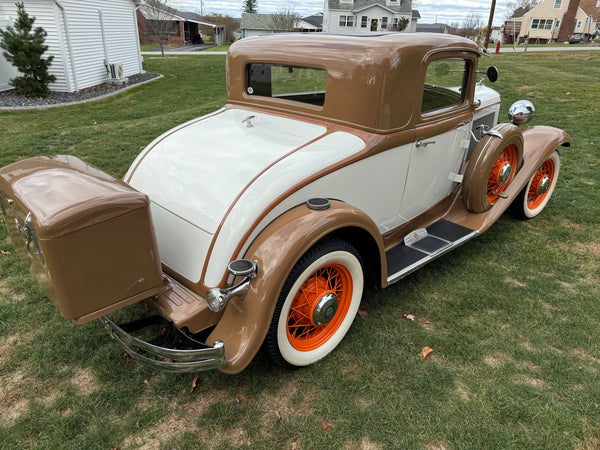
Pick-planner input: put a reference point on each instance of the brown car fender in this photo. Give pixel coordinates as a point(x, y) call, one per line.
point(277, 249)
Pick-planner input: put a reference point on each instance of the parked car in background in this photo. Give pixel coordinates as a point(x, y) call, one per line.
point(337, 161)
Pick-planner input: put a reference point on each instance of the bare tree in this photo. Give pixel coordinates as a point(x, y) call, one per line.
point(519, 7)
point(472, 25)
point(284, 19)
point(160, 22)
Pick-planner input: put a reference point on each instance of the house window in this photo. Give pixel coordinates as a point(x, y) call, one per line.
point(541, 24)
point(557, 4)
point(299, 84)
point(364, 19)
point(393, 2)
point(384, 23)
point(445, 82)
point(346, 21)
point(557, 23)
point(578, 24)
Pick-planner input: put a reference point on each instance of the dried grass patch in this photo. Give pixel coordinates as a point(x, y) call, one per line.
point(515, 282)
point(184, 420)
point(365, 444)
point(279, 405)
point(463, 391)
point(85, 382)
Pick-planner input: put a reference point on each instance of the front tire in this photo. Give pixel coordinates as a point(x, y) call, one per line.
point(317, 304)
point(534, 197)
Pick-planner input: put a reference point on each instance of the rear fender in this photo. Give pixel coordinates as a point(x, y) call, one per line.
point(277, 249)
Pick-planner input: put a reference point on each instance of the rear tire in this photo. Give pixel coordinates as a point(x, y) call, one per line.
point(317, 304)
point(534, 197)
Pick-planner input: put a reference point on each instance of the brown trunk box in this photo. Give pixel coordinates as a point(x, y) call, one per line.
point(86, 237)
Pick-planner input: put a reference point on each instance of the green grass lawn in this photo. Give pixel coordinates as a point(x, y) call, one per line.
point(513, 316)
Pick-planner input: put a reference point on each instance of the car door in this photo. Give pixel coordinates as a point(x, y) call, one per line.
point(442, 133)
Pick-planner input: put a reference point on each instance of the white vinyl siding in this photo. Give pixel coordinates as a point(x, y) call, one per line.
point(82, 44)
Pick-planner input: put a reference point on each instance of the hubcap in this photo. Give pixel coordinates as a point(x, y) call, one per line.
point(325, 308)
point(543, 186)
point(505, 173)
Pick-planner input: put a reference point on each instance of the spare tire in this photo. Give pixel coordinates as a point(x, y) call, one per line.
point(492, 167)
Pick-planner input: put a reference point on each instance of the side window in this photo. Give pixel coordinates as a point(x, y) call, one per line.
point(445, 83)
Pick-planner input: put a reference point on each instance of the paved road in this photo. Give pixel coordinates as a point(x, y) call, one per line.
point(569, 48)
point(189, 50)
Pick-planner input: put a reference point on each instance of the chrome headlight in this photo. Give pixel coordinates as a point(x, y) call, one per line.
point(521, 112)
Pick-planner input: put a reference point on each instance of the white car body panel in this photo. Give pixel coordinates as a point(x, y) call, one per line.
point(373, 185)
point(276, 181)
point(431, 165)
point(198, 171)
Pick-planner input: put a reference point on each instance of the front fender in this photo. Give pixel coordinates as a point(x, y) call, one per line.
point(277, 249)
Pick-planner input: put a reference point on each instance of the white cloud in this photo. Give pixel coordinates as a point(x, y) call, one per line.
point(446, 11)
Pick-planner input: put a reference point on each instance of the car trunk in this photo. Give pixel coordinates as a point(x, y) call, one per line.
point(86, 237)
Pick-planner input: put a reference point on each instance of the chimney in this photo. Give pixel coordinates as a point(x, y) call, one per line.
point(567, 25)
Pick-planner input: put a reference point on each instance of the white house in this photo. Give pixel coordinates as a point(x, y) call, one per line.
point(341, 16)
point(85, 37)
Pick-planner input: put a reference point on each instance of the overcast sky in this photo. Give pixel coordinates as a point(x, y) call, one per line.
point(446, 11)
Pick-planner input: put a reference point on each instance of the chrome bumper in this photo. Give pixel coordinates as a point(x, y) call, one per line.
point(169, 359)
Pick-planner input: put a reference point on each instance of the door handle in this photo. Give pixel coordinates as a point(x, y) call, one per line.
point(424, 143)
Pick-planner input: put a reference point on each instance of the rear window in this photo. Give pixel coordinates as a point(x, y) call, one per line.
point(300, 84)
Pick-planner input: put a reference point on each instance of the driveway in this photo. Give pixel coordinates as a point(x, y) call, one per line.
point(185, 49)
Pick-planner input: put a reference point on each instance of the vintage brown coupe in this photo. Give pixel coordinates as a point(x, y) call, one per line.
point(335, 160)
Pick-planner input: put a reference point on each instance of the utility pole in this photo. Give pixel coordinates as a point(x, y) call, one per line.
point(489, 27)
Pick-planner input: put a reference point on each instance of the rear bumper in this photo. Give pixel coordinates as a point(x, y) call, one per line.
point(169, 359)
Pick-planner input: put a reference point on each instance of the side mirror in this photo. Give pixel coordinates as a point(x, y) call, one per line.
point(492, 74)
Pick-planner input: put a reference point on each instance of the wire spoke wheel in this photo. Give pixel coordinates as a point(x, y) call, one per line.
point(306, 333)
point(534, 197)
point(502, 173)
point(317, 304)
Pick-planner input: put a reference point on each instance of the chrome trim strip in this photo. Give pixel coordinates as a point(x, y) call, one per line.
point(180, 360)
point(428, 258)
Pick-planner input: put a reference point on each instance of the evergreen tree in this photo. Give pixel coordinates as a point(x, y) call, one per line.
point(250, 6)
point(24, 48)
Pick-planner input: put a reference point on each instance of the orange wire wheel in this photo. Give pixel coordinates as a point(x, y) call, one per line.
point(492, 167)
point(502, 173)
point(317, 304)
point(319, 307)
point(535, 195)
point(540, 184)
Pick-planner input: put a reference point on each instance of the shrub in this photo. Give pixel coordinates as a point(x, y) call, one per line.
point(24, 48)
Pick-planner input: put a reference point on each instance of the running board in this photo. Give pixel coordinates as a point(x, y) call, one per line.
point(423, 246)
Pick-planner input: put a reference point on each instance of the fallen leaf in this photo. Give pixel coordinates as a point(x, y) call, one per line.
point(410, 285)
point(423, 321)
point(167, 360)
point(409, 317)
point(240, 398)
point(362, 312)
point(198, 433)
point(128, 357)
point(278, 416)
point(114, 447)
point(5, 253)
point(549, 241)
point(103, 142)
point(325, 427)
point(294, 445)
point(194, 384)
point(426, 352)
